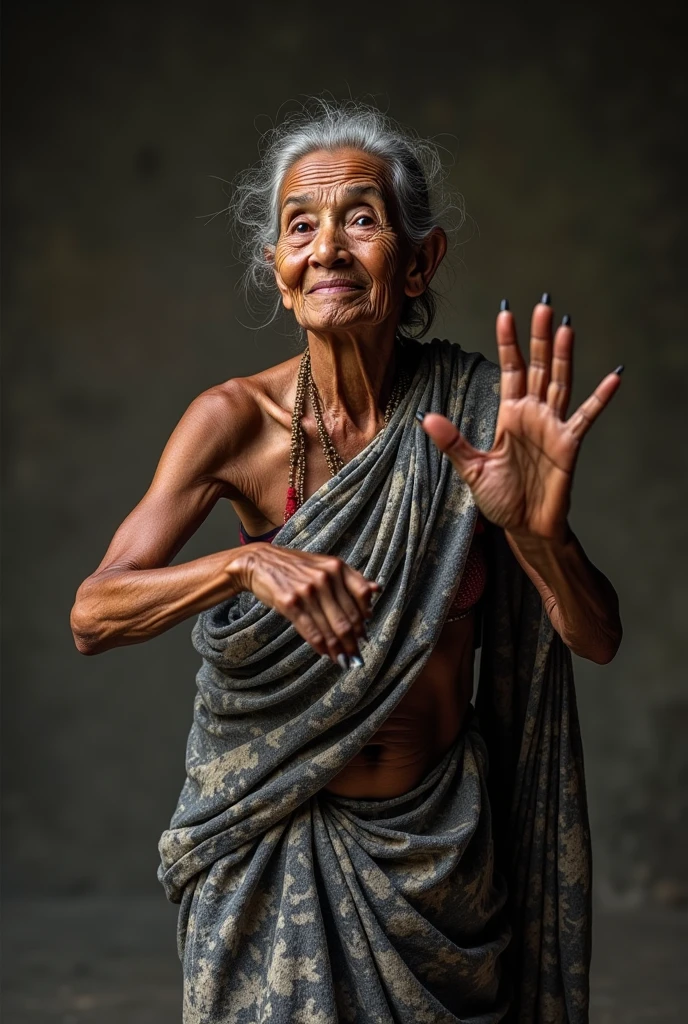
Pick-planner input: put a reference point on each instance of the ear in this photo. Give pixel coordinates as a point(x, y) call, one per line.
point(269, 253)
point(425, 260)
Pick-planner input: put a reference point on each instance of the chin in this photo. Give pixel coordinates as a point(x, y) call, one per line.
point(335, 321)
point(338, 319)
point(337, 314)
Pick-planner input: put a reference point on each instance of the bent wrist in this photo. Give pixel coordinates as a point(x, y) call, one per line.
point(558, 543)
point(242, 563)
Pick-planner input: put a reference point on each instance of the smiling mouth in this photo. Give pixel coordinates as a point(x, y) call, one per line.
point(335, 286)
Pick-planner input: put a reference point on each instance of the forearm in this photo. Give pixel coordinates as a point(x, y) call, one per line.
point(579, 599)
point(119, 606)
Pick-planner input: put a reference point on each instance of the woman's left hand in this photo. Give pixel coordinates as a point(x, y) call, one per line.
point(523, 484)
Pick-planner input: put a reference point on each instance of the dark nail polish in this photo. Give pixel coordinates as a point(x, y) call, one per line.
point(546, 299)
point(364, 634)
point(420, 416)
point(343, 661)
point(503, 305)
point(566, 320)
point(356, 661)
point(619, 369)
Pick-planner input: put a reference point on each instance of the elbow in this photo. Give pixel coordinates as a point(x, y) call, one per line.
point(613, 640)
point(605, 649)
point(85, 645)
point(86, 638)
point(603, 656)
point(87, 627)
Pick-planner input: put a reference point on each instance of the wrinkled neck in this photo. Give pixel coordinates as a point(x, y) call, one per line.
point(354, 372)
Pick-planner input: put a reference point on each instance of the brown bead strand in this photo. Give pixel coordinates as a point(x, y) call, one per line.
point(297, 454)
point(332, 456)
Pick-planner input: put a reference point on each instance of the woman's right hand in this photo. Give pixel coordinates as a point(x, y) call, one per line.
point(327, 601)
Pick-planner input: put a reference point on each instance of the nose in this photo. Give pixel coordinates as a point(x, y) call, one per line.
point(328, 250)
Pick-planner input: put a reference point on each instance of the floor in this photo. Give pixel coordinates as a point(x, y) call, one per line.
point(107, 962)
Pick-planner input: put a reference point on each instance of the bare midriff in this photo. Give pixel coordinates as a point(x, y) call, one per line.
point(423, 726)
point(428, 719)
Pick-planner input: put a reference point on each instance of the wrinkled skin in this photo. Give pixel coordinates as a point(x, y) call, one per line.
point(337, 222)
point(339, 228)
point(234, 439)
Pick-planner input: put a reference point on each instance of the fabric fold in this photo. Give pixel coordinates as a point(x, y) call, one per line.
point(299, 905)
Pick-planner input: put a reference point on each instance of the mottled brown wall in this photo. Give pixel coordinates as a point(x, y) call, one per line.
point(120, 306)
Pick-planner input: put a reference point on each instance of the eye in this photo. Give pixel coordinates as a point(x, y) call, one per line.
point(363, 217)
point(301, 227)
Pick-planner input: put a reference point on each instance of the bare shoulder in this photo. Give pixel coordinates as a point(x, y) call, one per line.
point(214, 423)
point(233, 409)
point(272, 390)
point(231, 419)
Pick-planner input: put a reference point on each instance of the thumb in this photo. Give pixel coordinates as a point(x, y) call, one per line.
point(451, 441)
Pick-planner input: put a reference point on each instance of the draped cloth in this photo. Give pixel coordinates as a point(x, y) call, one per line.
point(464, 900)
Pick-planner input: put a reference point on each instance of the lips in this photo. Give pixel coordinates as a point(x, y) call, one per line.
point(335, 284)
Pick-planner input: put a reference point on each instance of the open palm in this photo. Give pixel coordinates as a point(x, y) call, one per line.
point(523, 484)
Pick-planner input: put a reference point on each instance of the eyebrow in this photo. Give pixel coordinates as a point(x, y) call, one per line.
point(351, 191)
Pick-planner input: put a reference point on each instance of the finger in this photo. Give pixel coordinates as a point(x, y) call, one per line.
point(586, 413)
point(464, 457)
point(511, 363)
point(540, 364)
point(301, 606)
point(361, 590)
point(307, 628)
point(559, 388)
point(293, 607)
point(341, 625)
point(348, 604)
point(333, 645)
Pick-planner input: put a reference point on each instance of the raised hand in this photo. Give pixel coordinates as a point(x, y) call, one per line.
point(523, 484)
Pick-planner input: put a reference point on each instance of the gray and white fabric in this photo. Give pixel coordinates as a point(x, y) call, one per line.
point(465, 900)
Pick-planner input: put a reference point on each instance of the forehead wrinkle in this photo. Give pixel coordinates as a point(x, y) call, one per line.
point(350, 192)
point(326, 171)
point(362, 190)
point(298, 200)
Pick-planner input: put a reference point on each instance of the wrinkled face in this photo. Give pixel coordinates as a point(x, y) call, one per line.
point(339, 259)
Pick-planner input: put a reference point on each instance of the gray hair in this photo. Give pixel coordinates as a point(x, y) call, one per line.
point(416, 172)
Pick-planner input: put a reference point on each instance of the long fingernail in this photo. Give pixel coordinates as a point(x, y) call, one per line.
point(620, 369)
point(420, 416)
point(546, 299)
point(357, 661)
point(566, 320)
point(503, 305)
point(343, 661)
point(364, 633)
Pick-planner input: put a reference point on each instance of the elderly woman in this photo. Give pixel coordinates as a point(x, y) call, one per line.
point(336, 850)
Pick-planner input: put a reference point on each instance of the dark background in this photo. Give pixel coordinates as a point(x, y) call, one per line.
point(566, 132)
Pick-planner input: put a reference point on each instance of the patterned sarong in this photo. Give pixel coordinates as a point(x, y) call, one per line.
point(301, 906)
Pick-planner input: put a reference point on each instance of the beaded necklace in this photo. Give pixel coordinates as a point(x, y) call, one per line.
point(297, 455)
